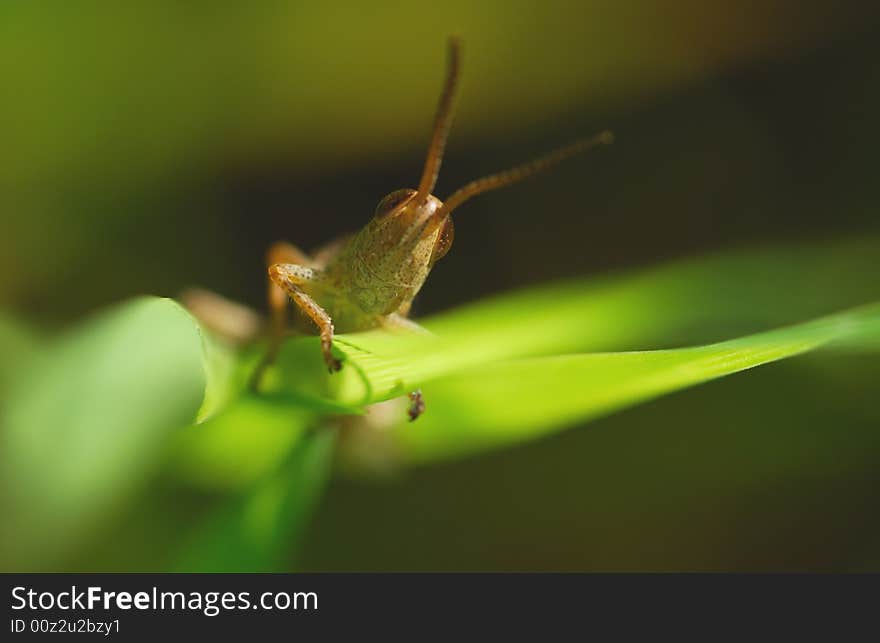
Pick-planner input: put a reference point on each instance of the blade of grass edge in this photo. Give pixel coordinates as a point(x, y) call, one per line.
point(686, 302)
point(511, 402)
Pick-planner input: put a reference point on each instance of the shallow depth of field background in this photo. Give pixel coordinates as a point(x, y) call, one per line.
point(150, 148)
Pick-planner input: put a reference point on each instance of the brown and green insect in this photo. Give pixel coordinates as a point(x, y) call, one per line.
point(370, 279)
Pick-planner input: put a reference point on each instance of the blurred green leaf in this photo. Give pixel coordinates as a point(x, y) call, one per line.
point(256, 531)
point(88, 420)
point(242, 436)
point(225, 376)
point(99, 410)
point(243, 443)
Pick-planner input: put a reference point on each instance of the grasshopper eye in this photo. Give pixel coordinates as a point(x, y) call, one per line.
point(389, 203)
point(444, 241)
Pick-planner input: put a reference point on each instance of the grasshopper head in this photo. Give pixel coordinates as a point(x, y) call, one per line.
point(395, 251)
point(411, 230)
point(413, 226)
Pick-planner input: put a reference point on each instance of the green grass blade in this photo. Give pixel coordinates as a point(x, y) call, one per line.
point(702, 299)
point(695, 301)
point(514, 401)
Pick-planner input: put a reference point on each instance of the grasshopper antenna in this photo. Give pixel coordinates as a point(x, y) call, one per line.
point(442, 122)
point(520, 172)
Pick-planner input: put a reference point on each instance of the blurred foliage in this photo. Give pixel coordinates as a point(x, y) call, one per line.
point(257, 531)
point(91, 416)
point(87, 420)
point(185, 82)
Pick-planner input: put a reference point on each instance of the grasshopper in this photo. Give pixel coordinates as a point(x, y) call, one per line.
point(369, 280)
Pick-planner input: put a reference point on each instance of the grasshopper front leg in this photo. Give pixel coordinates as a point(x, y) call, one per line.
point(290, 278)
point(278, 252)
